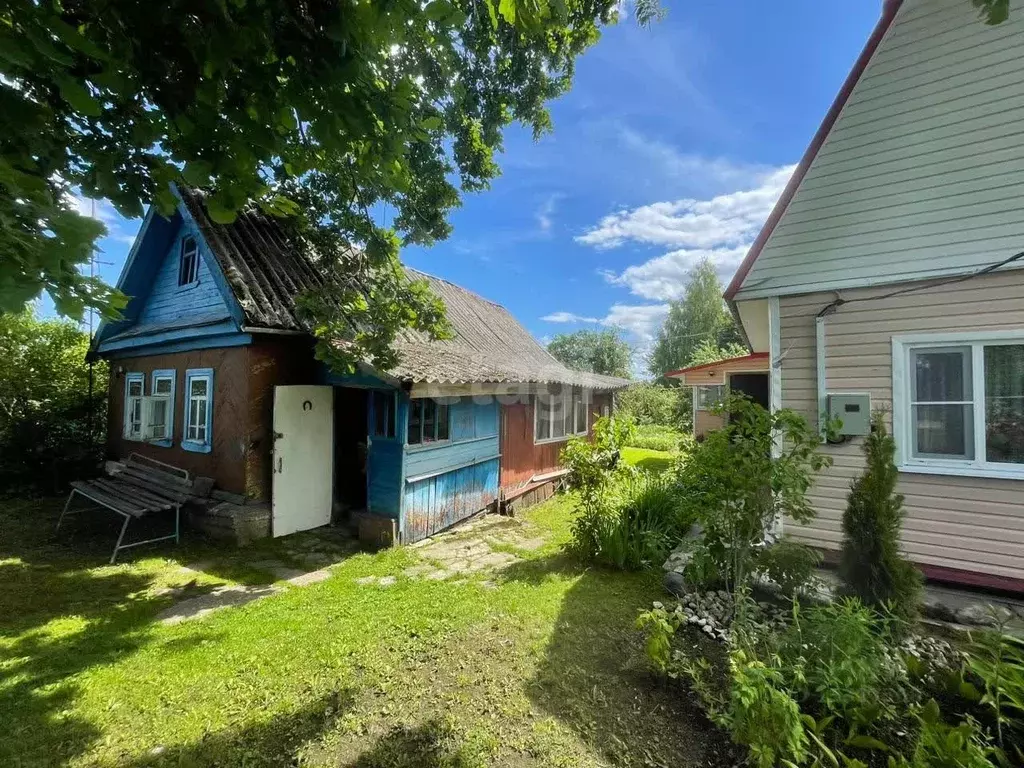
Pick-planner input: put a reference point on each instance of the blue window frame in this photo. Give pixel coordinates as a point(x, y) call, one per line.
point(134, 390)
point(383, 408)
point(198, 405)
point(188, 266)
point(161, 414)
point(429, 421)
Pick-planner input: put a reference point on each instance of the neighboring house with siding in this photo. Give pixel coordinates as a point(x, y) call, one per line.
point(212, 370)
point(890, 267)
point(711, 382)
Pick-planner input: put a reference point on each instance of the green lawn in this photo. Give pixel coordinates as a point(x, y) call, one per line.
point(645, 458)
point(534, 665)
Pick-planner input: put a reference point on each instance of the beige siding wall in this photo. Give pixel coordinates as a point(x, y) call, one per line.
point(706, 421)
point(971, 524)
point(925, 161)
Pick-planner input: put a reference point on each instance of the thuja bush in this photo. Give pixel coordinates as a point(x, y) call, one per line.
point(870, 566)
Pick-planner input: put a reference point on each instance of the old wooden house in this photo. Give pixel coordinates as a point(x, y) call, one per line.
point(212, 370)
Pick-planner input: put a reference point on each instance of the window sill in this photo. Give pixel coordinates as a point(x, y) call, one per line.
point(1012, 472)
point(187, 287)
point(161, 443)
point(565, 439)
point(413, 447)
point(194, 447)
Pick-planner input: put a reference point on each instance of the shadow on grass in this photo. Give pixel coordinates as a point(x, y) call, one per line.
point(656, 464)
point(596, 678)
point(275, 742)
point(430, 745)
point(62, 612)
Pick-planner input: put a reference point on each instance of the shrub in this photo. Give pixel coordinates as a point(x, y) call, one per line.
point(648, 403)
point(870, 565)
point(789, 564)
point(762, 714)
point(839, 661)
point(703, 571)
point(736, 487)
point(634, 525)
point(655, 438)
point(997, 661)
point(941, 745)
point(51, 432)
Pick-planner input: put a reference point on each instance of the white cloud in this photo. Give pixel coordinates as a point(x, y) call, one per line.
point(101, 210)
point(568, 317)
point(728, 219)
point(664, 278)
point(711, 172)
point(719, 229)
point(546, 212)
point(641, 321)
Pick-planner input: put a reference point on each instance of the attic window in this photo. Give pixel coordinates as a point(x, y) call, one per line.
point(188, 269)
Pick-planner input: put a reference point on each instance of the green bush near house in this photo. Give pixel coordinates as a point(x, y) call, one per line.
point(649, 403)
point(51, 430)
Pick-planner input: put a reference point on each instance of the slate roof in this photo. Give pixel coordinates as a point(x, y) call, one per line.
point(266, 271)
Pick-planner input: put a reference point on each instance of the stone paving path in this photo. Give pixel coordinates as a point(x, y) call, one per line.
point(480, 546)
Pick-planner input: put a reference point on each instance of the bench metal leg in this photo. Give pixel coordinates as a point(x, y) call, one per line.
point(65, 510)
point(120, 538)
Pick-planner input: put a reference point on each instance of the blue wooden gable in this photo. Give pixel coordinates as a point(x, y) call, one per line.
point(162, 316)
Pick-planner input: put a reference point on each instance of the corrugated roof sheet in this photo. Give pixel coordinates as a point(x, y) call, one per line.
point(265, 271)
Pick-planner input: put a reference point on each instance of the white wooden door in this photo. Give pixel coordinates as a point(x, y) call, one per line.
point(303, 458)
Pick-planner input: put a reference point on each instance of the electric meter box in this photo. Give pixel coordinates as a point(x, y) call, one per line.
point(853, 410)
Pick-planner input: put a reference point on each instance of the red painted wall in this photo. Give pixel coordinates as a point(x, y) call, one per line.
point(521, 459)
point(243, 396)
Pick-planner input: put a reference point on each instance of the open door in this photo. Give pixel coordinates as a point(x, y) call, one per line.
point(303, 458)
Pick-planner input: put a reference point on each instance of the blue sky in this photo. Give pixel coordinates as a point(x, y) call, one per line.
point(673, 144)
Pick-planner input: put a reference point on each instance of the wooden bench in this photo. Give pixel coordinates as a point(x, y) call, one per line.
point(143, 487)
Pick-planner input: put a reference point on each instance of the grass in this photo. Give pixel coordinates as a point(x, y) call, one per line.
point(651, 460)
point(535, 665)
point(656, 437)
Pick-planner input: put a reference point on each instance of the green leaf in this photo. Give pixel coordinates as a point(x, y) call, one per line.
point(432, 123)
point(197, 173)
point(863, 741)
point(930, 712)
point(78, 96)
point(507, 9)
point(218, 212)
point(438, 10)
point(492, 12)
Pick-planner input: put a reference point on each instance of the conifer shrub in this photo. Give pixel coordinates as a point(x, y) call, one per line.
point(870, 566)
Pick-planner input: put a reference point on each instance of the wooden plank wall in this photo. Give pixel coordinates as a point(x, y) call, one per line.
point(521, 458)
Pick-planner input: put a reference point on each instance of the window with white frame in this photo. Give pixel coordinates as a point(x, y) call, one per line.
point(959, 403)
point(561, 415)
point(709, 398)
point(159, 408)
point(188, 266)
point(134, 390)
point(198, 432)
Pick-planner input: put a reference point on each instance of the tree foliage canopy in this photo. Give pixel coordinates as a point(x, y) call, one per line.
point(603, 352)
point(700, 318)
point(338, 115)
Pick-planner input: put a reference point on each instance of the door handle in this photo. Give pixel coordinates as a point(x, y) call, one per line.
point(280, 461)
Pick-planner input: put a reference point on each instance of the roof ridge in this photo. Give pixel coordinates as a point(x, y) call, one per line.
point(454, 285)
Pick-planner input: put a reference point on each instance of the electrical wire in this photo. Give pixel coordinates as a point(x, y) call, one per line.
point(840, 301)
